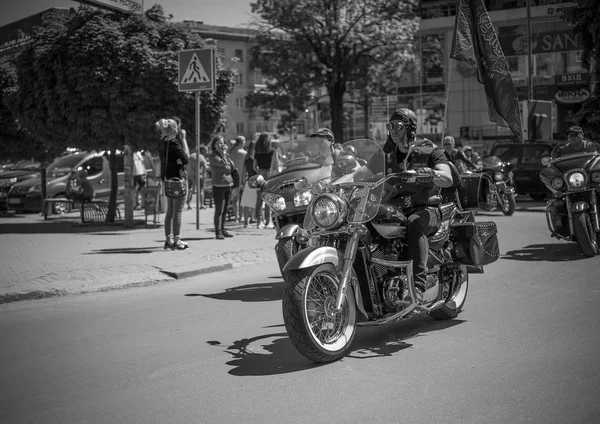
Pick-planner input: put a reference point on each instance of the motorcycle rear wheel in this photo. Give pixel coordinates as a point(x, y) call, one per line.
point(317, 332)
point(584, 234)
point(455, 302)
point(284, 250)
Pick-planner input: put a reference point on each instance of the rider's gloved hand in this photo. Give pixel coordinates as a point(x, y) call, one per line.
point(425, 175)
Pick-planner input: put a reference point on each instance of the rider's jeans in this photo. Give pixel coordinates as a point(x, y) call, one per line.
point(421, 223)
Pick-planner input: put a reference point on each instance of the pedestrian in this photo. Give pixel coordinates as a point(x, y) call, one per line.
point(139, 176)
point(238, 156)
point(196, 165)
point(264, 164)
point(248, 197)
point(174, 156)
point(222, 181)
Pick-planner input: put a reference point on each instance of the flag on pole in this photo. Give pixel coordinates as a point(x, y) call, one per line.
point(475, 42)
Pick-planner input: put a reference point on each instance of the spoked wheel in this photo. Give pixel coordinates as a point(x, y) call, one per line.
point(585, 234)
point(315, 329)
point(59, 208)
point(456, 301)
point(284, 250)
point(509, 204)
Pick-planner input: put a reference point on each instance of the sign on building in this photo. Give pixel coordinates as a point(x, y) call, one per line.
point(197, 70)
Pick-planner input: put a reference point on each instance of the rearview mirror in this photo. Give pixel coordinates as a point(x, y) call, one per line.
point(546, 160)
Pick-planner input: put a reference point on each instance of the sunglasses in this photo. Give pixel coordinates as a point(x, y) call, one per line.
point(447, 144)
point(395, 126)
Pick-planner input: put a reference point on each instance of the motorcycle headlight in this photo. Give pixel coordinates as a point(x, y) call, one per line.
point(302, 198)
point(328, 211)
point(576, 180)
point(595, 177)
point(557, 183)
point(275, 201)
point(498, 176)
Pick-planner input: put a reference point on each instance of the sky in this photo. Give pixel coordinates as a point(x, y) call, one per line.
point(232, 13)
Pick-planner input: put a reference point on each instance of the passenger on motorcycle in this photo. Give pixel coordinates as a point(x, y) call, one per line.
point(325, 139)
point(421, 205)
point(576, 144)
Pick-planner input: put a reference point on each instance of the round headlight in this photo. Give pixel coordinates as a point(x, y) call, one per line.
point(595, 177)
point(302, 198)
point(576, 180)
point(328, 211)
point(274, 201)
point(498, 176)
point(557, 183)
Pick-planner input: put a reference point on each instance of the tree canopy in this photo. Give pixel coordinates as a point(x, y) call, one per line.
point(585, 17)
point(303, 45)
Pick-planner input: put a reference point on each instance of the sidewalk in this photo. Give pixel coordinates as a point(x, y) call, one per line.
point(62, 256)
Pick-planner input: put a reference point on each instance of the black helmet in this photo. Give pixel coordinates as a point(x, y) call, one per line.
point(325, 133)
point(407, 116)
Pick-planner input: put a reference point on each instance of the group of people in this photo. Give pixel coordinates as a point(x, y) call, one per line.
point(463, 157)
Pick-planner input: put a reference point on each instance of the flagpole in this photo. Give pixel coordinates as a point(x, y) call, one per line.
point(448, 78)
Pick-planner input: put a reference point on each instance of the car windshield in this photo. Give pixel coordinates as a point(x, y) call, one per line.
point(25, 164)
point(63, 165)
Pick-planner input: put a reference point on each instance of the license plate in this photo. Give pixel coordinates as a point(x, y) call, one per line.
point(13, 201)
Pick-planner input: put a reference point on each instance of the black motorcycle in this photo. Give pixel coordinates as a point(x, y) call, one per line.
point(502, 175)
point(354, 269)
point(573, 212)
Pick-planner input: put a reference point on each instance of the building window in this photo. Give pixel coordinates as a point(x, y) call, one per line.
point(240, 78)
point(239, 127)
point(239, 102)
point(239, 54)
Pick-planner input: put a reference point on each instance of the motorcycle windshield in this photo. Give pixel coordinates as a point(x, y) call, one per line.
point(363, 197)
point(491, 162)
point(310, 157)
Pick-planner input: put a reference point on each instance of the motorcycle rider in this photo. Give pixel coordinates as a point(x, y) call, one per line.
point(325, 140)
point(421, 206)
point(576, 144)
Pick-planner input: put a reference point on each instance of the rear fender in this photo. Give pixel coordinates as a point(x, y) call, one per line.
point(313, 256)
point(287, 231)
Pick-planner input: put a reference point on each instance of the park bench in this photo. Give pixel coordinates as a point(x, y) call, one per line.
point(47, 204)
point(96, 211)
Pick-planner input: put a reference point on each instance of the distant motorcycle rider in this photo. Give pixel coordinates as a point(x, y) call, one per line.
point(402, 152)
point(576, 144)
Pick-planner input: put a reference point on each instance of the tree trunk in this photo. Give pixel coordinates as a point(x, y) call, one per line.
point(114, 187)
point(129, 182)
point(336, 103)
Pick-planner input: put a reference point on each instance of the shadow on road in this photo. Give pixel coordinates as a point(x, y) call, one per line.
point(551, 252)
point(249, 293)
point(127, 250)
point(273, 354)
point(49, 227)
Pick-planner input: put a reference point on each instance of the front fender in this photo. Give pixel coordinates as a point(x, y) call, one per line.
point(287, 231)
point(313, 256)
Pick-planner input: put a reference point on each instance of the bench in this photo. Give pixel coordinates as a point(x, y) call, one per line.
point(96, 210)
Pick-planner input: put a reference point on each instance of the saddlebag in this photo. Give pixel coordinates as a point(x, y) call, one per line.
point(477, 191)
point(475, 243)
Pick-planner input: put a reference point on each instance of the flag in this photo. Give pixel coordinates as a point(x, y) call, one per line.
point(475, 42)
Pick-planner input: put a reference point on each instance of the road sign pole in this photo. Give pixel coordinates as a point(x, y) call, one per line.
point(197, 103)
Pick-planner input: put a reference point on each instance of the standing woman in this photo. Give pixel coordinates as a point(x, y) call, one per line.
point(263, 164)
point(220, 166)
point(174, 156)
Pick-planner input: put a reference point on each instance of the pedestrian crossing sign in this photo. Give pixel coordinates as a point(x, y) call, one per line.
point(197, 70)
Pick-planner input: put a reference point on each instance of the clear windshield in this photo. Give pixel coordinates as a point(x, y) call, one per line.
point(311, 157)
point(363, 197)
point(63, 165)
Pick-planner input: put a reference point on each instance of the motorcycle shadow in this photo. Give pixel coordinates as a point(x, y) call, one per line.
point(265, 292)
point(551, 252)
point(273, 354)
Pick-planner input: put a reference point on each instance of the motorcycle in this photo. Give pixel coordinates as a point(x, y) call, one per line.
point(572, 214)
point(287, 193)
point(354, 271)
point(502, 176)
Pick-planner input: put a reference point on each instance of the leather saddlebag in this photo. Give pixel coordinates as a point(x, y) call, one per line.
point(477, 192)
point(475, 243)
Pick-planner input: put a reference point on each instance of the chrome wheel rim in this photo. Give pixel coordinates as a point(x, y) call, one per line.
point(60, 207)
point(331, 330)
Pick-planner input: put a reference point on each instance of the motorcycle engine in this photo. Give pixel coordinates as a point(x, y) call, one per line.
point(395, 289)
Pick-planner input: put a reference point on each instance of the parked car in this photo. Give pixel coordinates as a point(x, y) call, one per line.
point(526, 159)
point(27, 195)
point(20, 171)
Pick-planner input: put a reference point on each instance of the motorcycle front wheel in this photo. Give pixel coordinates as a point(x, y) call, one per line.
point(585, 234)
point(456, 301)
point(316, 331)
point(284, 250)
point(509, 204)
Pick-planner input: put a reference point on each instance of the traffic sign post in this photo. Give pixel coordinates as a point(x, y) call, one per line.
point(197, 72)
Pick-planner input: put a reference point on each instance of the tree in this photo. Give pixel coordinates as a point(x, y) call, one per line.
point(303, 45)
point(99, 80)
point(585, 17)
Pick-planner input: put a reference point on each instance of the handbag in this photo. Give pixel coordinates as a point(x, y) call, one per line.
point(235, 175)
point(175, 188)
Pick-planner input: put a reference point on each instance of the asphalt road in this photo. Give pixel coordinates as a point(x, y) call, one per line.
point(213, 349)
